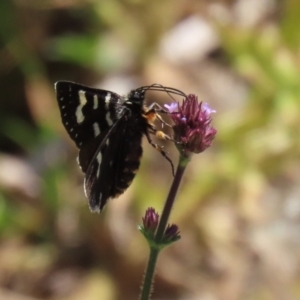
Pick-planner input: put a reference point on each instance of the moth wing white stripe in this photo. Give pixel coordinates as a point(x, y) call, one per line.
point(82, 103)
point(95, 102)
point(108, 119)
point(99, 159)
point(107, 100)
point(96, 129)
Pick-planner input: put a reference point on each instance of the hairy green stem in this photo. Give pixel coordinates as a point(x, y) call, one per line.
point(154, 251)
point(149, 275)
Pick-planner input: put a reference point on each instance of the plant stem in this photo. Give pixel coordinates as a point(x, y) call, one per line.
point(169, 202)
point(154, 251)
point(149, 276)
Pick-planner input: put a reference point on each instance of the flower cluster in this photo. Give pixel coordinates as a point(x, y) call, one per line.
point(150, 224)
point(192, 129)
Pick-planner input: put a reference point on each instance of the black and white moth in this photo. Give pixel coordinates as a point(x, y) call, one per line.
point(108, 129)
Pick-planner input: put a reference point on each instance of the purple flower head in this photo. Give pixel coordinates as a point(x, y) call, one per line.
point(150, 221)
point(171, 233)
point(192, 127)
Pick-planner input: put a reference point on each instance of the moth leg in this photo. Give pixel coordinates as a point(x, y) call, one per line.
point(157, 108)
point(150, 116)
point(160, 148)
point(153, 109)
point(161, 135)
point(162, 121)
point(158, 133)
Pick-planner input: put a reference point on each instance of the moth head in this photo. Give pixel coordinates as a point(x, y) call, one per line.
point(137, 96)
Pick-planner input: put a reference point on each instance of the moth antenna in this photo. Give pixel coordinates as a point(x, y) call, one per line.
point(161, 88)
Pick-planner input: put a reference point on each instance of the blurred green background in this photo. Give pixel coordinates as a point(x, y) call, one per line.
point(239, 204)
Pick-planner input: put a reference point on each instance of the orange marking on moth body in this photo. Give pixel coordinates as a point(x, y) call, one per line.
point(161, 135)
point(150, 116)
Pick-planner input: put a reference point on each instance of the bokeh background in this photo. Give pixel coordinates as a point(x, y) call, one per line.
point(238, 208)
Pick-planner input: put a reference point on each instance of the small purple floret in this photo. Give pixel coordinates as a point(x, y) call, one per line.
point(172, 107)
point(171, 233)
point(150, 221)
